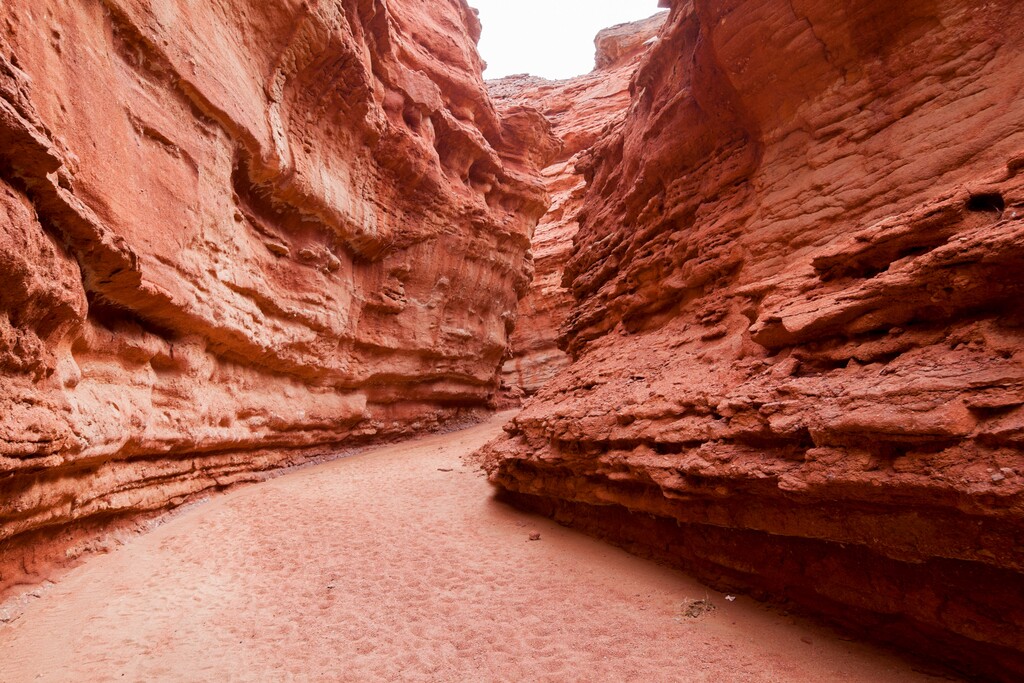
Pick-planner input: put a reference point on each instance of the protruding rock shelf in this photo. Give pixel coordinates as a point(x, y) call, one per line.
point(237, 235)
point(797, 339)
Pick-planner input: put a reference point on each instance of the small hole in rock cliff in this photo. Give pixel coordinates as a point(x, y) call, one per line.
point(115, 317)
point(990, 202)
point(412, 118)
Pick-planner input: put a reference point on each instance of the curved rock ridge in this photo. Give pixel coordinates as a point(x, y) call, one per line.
point(580, 109)
point(238, 234)
point(797, 341)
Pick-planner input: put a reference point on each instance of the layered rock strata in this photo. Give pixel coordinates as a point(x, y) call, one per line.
point(238, 234)
point(579, 110)
point(797, 341)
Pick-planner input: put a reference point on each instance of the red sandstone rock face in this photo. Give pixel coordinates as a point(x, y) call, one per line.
point(797, 340)
point(236, 234)
point(580, 110)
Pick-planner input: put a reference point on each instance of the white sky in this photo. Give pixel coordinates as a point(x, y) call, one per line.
point(549, 38)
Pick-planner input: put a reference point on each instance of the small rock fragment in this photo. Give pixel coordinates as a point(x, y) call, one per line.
point(333, 262)
point(694, 609)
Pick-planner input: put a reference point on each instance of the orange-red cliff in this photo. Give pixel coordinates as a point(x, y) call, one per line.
point(237, 234)
point(797, 341)
point(580, 110)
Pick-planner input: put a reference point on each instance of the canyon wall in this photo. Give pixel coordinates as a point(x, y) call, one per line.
point(236, 235)
point(579, 110)
point(797, 338)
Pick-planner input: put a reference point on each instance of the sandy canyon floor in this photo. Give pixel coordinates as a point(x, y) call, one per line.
point(396, 564)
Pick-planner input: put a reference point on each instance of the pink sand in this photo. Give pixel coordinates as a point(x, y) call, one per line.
point(384, 567)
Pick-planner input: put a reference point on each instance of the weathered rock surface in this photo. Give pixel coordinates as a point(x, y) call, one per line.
point(238, 234)
point(580, 110)
point(797, 338)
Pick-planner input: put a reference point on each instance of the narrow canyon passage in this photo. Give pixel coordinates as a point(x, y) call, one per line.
point(755, 282)
point(397, 565)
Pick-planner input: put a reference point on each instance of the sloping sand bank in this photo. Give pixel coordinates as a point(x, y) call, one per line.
point(397, 565)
